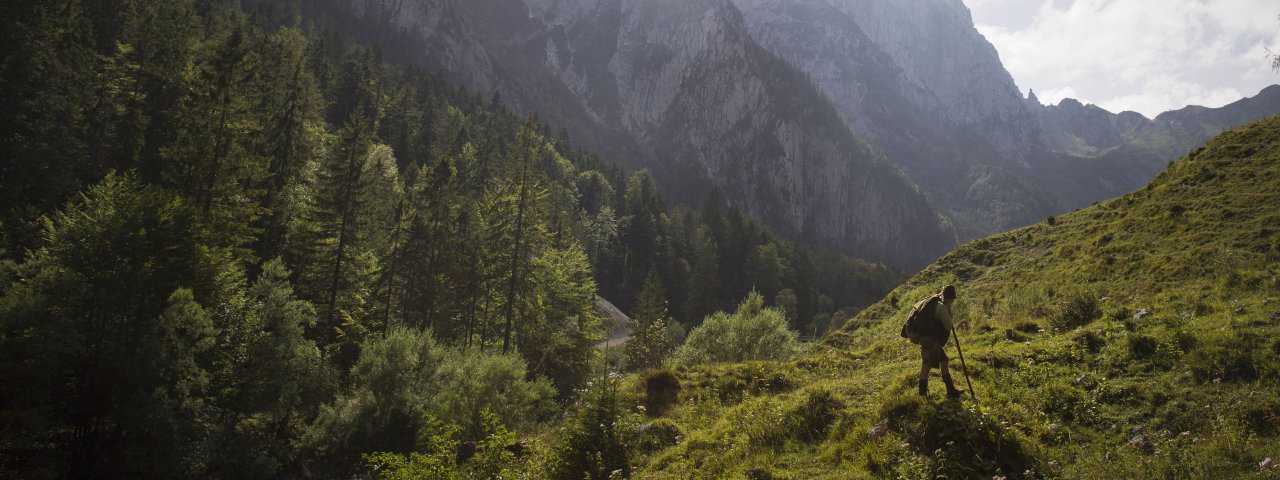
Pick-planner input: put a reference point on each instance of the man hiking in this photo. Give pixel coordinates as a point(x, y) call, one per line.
point(930, 325)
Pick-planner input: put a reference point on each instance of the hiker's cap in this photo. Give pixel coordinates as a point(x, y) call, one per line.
point(949, 292)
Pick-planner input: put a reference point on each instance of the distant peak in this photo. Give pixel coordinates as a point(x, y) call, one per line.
point(1031, 96)
point(1070, 103)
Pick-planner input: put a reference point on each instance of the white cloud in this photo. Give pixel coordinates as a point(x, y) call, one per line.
point(1149, 56)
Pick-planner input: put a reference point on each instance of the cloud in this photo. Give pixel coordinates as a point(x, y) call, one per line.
point(1148, 56)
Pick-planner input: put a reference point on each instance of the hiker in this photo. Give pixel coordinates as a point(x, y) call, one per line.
point(930, 325)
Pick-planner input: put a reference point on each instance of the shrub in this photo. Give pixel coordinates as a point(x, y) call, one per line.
point(657, 435)
point(1142, 347)
point(1089, 340)
point(1261, 413)
point(811, 419)
point(594, 446)
point(965, 441)
point(662, 389)
point(1027, 327)
point(1119, 313)
point(1228, 360)
point(751, 379)
point(759, 473)
point(1067, 403)
point(471, 382)
point(438, 458)
point(1077, 309)
point(753, 332)
point(400, 380)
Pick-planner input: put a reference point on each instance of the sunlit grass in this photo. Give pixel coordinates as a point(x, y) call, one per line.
point(1138, 338)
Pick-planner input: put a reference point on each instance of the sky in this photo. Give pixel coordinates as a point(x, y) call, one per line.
point(1148, 56)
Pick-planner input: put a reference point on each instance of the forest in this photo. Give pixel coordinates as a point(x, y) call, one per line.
point(242, 244)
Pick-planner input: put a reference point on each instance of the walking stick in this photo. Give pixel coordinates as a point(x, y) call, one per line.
point(963, 368)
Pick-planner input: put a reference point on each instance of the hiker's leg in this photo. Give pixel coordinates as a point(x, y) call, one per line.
point(923, 380)
point(946, 380)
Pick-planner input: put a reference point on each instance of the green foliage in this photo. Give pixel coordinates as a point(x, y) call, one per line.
point(1142, 347)
point(958, 440)
point(650, 342)
point(473, 383)
point(1224, 358)
point(106, 344)
point(661, 391)
point(657, 435)
point(814, 416)
point(595, 441)
point(399, 381)
point(1075, 309)
point(437, 458)
point(753, 332)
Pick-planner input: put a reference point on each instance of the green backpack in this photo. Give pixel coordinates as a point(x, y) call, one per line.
point(923, 323)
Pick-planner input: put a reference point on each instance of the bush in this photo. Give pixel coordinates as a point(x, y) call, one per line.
point(400, 380)
point(1067, 403)
point(1142, 347)
point(751, 379)
point(657, 435)
point(811, 419)
point(438, 458)
point(753, 332)
point(594, 443)
point(662, 389)
point(963, 441)
point(1077, 309)
point(1230, 360)
point(1089, 340)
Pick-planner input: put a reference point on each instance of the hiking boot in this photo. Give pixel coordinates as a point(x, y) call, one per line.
point(952, 392)
point(924, 387)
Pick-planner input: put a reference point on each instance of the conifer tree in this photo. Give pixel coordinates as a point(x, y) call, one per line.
point(650, 343)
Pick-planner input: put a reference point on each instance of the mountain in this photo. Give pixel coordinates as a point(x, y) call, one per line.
point(706, 94)
point(1135, 338)
point(681, 88)
point(917, 80)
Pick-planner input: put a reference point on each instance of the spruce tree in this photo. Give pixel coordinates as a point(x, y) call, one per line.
point(650, 343)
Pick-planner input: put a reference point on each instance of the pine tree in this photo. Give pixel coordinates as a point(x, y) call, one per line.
point(650, 343)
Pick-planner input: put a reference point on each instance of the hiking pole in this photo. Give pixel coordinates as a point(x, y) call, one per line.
point(963, 368)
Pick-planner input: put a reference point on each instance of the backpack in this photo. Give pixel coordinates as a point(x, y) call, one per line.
point(923, 323)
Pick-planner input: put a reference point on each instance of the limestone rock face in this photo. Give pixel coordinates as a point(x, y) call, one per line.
point(803, 112)
point(717, 110)
point(918, 81)
point(687, 93)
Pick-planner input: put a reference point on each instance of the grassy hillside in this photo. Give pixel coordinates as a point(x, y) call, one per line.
point(1137, 338)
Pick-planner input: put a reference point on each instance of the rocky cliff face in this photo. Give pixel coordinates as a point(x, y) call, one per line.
point(935, 44)
point(716, 109)
point(918, 81)
point(757, 98)
point(700, 103)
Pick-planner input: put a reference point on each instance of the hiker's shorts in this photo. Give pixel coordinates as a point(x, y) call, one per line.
point(932, 352)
